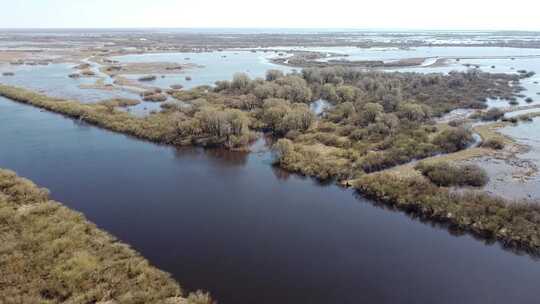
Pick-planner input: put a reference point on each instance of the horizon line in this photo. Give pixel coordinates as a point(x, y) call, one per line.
point(276, 28)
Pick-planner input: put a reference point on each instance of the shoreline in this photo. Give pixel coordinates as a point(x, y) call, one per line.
point(82, 263)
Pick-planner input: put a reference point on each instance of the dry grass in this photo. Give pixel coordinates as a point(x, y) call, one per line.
point(164, 127)
point(51, 254)
point(489, 132)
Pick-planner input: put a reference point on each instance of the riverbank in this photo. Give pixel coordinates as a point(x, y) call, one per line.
point(51, 254)
point(515, 225)
point(162, 127)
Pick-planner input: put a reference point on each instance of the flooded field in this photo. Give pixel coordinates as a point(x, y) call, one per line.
point(528, 134)
point(53, 79)
point(214, 66)
point(393, 54)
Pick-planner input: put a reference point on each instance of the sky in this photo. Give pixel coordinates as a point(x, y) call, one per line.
point(357, 14)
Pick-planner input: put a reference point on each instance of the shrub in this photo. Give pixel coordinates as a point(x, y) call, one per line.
point(492, 114)
point(511, 119)
point(457, 122)
point(266, 90)
point(414, 112)
point(494, 143)
point(121, 102)
point(148, 78)
point(82, 66)
point(281, 116)
point(272, 75)
point(294, 88)
point(241, 81)
point(88, 73)
point(445, 174)
point(453, 140)
point(155, 97)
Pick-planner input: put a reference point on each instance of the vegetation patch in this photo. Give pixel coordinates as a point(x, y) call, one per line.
point(200, 124)
point(148, 78)
point(494, 143)
point(88, 73)
point(120, 102)
point(515, 224)
point(446, 174)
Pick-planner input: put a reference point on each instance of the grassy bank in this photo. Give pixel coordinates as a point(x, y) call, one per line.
point(195, 128)
point(515, 225)
point(51, 254)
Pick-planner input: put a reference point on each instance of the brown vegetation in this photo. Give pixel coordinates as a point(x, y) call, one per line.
point(50, 254)
point(147, 78)
point(120, 102)
point(177, 128)
point(515, 225)
point(88, 73)
point(494, 143)
point(446, 174)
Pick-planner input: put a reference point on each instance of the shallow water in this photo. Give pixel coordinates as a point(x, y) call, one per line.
point(53, 80)
point(230, 224)
point(390, 54)
point(516, 178)
point(319, 106)
point(216, 66)
point(527, 133)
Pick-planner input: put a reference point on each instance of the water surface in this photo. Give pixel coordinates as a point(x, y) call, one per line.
point(53, 80)
point(215, 66)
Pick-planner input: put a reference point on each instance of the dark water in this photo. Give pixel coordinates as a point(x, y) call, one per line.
point(230, 224)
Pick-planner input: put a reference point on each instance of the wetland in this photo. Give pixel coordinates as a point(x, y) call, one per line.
point(261, 180)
